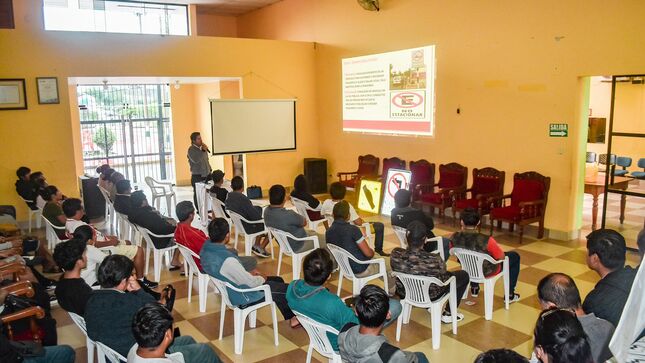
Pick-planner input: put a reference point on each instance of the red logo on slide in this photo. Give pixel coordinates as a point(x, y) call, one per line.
point(407, 99)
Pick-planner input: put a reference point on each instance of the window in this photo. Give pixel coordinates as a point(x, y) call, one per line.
point(116, 16)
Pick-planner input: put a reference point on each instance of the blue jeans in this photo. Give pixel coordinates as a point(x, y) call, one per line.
point(193, 351)
point(55, 354)
point(421, 357)
point(395, 311)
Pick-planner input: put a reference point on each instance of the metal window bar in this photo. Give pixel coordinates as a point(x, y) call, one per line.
point(129, 127)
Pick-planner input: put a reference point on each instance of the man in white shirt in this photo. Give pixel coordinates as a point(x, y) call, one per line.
point(337, 192)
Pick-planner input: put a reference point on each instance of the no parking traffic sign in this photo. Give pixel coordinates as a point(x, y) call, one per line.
point(396, 179)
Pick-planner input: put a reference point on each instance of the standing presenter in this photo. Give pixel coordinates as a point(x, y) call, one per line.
point(200, 169)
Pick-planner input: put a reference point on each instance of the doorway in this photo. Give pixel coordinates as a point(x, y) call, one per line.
point(129, 127)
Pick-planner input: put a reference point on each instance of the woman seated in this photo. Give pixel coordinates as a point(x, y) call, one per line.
point(301, 191)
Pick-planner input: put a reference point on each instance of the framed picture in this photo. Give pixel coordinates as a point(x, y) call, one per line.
point(13, 95)
point(47, 90)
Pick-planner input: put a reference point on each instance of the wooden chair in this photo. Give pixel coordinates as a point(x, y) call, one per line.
point(422, 177)
point(367, 167)
point(391, 163)
point(487, 183)
point(32, 313)
point(452, 179)
point(527, 203)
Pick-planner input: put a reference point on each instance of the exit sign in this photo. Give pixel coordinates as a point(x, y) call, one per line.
point(558, 130)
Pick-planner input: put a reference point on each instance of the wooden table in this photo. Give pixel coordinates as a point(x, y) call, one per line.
point(596, 186)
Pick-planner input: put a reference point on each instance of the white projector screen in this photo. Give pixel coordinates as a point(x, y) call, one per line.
point(246, 126)
point(390, 93)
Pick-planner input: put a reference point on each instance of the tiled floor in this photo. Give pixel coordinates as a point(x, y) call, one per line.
point(509, 328)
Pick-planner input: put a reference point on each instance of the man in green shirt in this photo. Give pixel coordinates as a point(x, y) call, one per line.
point(311, 298)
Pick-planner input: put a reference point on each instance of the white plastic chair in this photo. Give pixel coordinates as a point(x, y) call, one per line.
point(161, 190)
point(239, 315)
point(343, 257)
point(191, 270)
point(249, 239)
point(109, 209)
point(318, 339)
point(157, 253)
point(80, 322)
point(401, 234)
point(103, 351)
point(33, 213)
point(302, 207)
point(473, 263)
point(218, 210)
point(50, 234)
point(124, 229)
point(417, 294)
point(285, 248)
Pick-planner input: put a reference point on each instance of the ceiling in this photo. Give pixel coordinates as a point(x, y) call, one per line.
point(225, 7)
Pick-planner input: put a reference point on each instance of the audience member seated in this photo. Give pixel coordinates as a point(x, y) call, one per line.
point(224, 265)
point(94, 255)
point(500, 356)
point(278, 217)
point(239, 203)
point(72, 292)
point(558, 290)
point(301, 191)
point(606, 255)
point(73, 209)
point(9, 353)
point(364, 342)
point(352, 239)
point(38, 183)
point(153, 333)
point(142, 214)
point(105, 172)
point(337, 192)
point(217, 190)
point(53, 210)
point(469, 238)
point(25, 188)
point(122, 197)
point(194, 238)
point(110, 311)
point(115, 177)
point(311, 298)
point(403, 214)
point(416, 261)
point(559, 338)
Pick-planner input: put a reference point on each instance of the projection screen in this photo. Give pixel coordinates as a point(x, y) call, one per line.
point(253, 125)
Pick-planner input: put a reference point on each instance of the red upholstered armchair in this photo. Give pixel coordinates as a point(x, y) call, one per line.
point(392, 163)
point(422, 176)
point(367, 167)
point(452, 178)
point(487, 183)
point(527, 203)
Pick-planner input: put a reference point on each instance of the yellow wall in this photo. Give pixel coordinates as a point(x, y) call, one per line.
point(215, 25)
point(184, 122)
point(42, 136)
point(512, 67)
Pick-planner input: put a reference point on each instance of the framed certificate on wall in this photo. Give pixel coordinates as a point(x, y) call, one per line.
point(13, 95)
point(47, 90)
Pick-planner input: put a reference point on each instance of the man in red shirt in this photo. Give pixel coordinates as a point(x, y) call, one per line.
point(469, 238)
point(194, 238)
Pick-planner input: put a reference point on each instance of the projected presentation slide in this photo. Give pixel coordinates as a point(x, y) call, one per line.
point(390, 93)
point(396, 179)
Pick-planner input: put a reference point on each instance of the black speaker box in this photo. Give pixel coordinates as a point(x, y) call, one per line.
point(316, 175)
point(93, 200)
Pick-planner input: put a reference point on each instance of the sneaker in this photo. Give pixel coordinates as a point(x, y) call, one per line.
point(149, 284)
point(383, 253)
point(514, 298)
point(474, 291)
point(260, 252)
point(446, 318)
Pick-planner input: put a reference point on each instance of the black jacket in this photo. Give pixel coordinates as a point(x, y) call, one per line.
point(27, 191)
point(150, 219)
point(610, 294)
point(122, 204)
point(401, 217)
point(306, 197)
